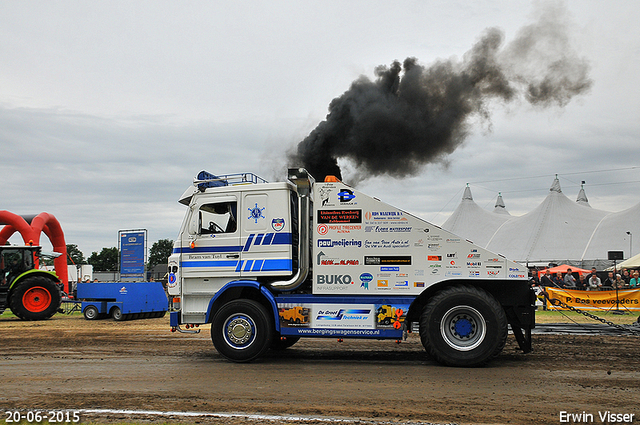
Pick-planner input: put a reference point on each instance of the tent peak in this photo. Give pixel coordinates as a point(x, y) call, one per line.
point(555, 186)
point(467, 193)
point(582, 197)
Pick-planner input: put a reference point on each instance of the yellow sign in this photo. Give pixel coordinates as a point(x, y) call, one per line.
point(626, 299)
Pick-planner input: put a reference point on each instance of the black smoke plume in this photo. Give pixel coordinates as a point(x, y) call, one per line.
point(412, 115)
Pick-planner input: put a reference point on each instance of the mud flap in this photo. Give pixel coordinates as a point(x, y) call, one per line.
point(523, 336)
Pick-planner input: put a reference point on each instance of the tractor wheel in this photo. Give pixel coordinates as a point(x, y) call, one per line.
point(242, 330)
point(283, 342)
point(35, 298)
point(463, 326)
point(117, 315)
point(91, 313)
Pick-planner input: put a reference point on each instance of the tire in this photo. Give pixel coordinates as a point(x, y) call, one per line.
point(91, 313)
point(35, 298)
point(117, 315)
point(463, 326)
point(283, 342)
point(242, 330)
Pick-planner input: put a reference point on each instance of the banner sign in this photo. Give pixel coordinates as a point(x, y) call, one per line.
point(626, 299)
point(132, 250)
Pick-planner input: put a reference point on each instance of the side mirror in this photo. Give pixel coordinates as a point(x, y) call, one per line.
point(194, 220)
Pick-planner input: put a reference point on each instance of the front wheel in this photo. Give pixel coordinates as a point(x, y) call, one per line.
point(35, 298)
point(463, 326)
point(241, 330)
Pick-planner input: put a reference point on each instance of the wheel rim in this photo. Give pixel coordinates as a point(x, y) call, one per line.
point(463, 328)
point(36, 299)
point(91, 313)
point(239, 331)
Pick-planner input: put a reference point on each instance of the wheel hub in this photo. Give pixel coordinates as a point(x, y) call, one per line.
point(239, 331)
point(36, 299)
point(463, 328)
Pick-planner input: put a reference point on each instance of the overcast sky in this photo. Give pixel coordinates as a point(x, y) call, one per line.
point(109, 109)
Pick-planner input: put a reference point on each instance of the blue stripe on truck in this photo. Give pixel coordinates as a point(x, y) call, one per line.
point(269, 265)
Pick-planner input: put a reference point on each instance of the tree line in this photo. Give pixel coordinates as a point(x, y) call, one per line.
point(108, 259)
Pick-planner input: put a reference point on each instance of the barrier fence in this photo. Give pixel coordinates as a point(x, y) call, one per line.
point(624, 299)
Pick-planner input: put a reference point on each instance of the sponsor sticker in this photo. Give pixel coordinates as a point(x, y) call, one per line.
point(277, 224)
point(389, 259)
point(339, 216)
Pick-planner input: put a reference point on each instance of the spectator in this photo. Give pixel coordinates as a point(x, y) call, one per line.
point(608, 282)
point(533, 280)
point(619, 283)
point(569, 280)
point(582, 282)
point(557, 280)
point(625, 276)
point(635, 280)
point(546, 279)
point(594, 283)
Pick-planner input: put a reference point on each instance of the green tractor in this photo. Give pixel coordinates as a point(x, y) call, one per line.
point(31, 294)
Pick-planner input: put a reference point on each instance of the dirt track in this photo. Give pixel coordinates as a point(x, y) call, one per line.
point(70, 363)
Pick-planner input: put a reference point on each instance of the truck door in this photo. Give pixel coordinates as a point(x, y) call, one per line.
point(212, 243)
point(266, 234)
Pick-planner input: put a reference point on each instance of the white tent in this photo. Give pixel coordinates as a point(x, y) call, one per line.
point(611, 234)
point(474, 223)
point(558, 229)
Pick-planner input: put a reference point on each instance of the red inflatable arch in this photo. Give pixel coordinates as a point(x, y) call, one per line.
point(30, 227)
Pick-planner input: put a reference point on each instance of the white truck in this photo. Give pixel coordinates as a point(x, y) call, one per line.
point(352, 266)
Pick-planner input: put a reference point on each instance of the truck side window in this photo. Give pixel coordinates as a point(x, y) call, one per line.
point(218, 218)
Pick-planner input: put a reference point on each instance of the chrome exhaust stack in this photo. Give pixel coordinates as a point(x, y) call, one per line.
point(304, 182)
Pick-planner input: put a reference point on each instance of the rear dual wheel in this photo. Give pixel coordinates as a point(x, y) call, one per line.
point(463, 326)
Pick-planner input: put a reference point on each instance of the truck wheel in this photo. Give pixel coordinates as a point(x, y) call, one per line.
point(242, 330)
point(117, 315)
point(283, 342)
point(463, 326)
point(91, 313)
point(35, 298)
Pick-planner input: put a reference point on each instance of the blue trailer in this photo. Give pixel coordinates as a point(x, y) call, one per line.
point(122, 300)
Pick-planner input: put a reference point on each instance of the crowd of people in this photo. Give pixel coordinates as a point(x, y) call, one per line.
point(625, 279)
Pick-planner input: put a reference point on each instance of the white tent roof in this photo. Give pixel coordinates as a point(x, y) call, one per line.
point(611, 233)
point(558, 230)
point(472, 222)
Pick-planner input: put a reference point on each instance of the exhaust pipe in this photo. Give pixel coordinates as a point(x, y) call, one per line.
point(304, 182)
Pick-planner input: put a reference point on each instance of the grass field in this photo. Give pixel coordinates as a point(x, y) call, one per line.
point(574, 317)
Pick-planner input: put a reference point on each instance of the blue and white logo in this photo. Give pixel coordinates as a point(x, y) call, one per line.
point(256, 213)
point(365, 278)
point(346, 195)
